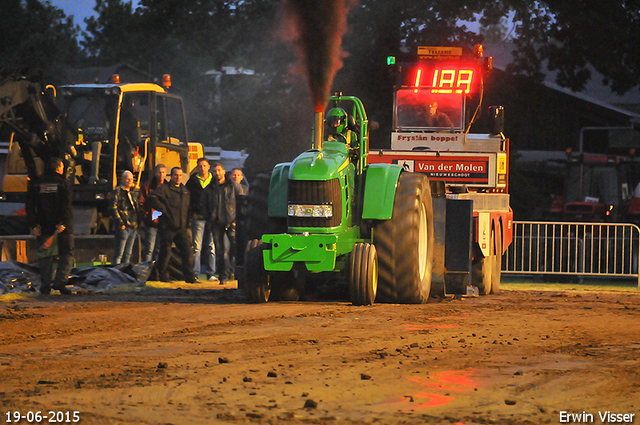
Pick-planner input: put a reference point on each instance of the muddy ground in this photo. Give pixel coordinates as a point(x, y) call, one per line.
point(196, 354)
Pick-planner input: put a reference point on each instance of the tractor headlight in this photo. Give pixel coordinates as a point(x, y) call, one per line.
point(325, 211)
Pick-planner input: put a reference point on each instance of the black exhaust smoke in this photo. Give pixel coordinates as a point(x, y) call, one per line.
point(316, 27)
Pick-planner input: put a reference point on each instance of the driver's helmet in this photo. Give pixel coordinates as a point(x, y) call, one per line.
point(337, 119)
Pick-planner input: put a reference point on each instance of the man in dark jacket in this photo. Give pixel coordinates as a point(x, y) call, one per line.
point(172, 200)
point(200, 230)
point(49, 213)
point(218, 204)
point(150, 248)
point(124, 210)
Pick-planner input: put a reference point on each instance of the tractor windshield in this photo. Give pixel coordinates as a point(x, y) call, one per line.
point(420, 109)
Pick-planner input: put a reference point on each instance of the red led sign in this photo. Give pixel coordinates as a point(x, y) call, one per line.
point(447, 80)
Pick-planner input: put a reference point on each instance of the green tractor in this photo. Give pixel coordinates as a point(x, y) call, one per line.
point(368, 224)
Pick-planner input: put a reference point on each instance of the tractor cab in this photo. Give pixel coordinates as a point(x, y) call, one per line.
point(423, 110)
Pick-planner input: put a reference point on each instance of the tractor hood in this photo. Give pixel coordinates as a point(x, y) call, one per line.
point(324, 164)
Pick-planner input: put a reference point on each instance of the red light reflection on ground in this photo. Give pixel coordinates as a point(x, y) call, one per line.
point(434, 400)
point(450, 381)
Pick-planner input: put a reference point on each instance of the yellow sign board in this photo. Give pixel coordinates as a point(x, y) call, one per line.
point(435, 51)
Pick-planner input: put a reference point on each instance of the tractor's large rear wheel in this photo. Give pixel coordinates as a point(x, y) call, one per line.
point(363, 274)
point(256, 280)
point(405, 244)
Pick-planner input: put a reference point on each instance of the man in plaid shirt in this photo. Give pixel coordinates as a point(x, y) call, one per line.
point(124, 210)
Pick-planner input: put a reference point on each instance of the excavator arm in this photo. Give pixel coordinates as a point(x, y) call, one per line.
point(33, 117)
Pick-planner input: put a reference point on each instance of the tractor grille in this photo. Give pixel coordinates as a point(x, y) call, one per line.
point(316, 192)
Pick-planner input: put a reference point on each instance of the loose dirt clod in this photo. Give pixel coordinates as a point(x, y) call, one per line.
point(310, 404)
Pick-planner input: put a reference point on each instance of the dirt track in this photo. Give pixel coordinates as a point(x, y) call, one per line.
point(201, 356)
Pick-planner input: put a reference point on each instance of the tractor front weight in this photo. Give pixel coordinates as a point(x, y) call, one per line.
point(318, 252)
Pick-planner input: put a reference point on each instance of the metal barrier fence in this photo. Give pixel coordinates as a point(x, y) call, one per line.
point(579, 249)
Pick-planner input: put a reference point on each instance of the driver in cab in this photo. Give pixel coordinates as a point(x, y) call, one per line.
point(341, 128)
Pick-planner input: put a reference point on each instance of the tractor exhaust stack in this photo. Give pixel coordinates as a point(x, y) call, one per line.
point(318, 127)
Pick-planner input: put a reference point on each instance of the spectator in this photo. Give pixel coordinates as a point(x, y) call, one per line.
point(150, 247)
point(238, 177)
point(172, 200)
point(49, 213)
point(124, 210)
point(241, 202)
point(200, 230)
point(218, 203)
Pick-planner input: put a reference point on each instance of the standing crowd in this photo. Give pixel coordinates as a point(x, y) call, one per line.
point(199, 218)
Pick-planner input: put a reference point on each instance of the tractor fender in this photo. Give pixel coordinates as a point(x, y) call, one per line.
point(278, 190)
point(380, 185)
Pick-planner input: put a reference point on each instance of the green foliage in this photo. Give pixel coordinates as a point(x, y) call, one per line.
point(573, 34)
point(38, 35)
point(114, 34)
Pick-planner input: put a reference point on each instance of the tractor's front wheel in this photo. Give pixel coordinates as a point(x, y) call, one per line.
point(405, 243)
point(256, 280)
point(363, 274)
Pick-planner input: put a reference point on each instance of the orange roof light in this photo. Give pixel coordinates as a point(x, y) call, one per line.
point(166, 80)
point(115, 79)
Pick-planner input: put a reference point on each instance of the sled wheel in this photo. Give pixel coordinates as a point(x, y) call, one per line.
point(405, 243)
point(363, 274)
point(256, 280)
point(487, 270)
point(482, 272)
point(497, 265)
